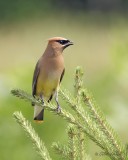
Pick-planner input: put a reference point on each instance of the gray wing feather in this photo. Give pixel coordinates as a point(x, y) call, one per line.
point(35, 78)
point(62, 75)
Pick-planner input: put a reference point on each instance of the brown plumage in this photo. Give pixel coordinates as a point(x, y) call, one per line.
point(48, 73)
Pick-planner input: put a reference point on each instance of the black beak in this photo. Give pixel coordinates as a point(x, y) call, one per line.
point(70, 43)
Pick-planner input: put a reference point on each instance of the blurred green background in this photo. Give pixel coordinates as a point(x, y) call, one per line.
point(99, 30)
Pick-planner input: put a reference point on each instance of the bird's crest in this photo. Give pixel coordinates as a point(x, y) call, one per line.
point(56, 38)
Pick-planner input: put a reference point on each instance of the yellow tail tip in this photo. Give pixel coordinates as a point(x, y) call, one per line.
point(38, 121)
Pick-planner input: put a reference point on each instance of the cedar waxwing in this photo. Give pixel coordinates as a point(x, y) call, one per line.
point(48, 74)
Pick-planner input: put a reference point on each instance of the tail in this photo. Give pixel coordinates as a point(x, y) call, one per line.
point(38, 114)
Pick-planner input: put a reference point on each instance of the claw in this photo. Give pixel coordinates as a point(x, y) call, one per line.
point(41, 96)
point(42, 101)
point(58, 109)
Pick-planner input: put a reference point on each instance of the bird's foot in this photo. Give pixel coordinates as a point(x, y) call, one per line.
point(42, 101)
point(41, 98)
point(58, 109)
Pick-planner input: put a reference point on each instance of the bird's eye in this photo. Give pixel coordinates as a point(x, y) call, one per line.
point(63, 41)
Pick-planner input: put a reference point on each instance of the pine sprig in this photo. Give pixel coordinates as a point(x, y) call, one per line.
point(48, 106)
point(115, 145)
point(80, 136)
point(88, 121)
point(78, 83)
point(81, 140)
point(61, 150)
point(27, 97)
point(87, 128)
point(72, 142)
point(96, 114)
point(86, 124)
point(39, 145)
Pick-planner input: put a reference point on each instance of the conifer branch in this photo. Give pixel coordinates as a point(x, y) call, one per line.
point(61, 150)
point(115, 145)
point(81, 144)
point(72, 142)
point(48, 106)
point(71, 151)
point(114, 148)
point(80, 136)
point(96, 114)
point(87, 121)
point(64, 114)
point(78, 83)
point(39, 145)
point(88, 128)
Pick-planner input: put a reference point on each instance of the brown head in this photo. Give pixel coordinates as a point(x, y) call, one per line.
point(58, 44)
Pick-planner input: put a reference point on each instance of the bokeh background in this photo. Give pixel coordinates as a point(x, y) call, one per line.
point(99, 30)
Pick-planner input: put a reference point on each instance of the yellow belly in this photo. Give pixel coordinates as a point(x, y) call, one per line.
point(46, 87)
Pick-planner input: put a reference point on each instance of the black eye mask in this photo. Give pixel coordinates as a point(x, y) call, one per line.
point(63, 42)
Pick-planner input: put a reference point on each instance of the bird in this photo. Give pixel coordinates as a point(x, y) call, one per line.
point(48, 74)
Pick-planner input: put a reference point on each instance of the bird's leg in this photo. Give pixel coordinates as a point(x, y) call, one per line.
point(42, 100)
point(58, 106)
